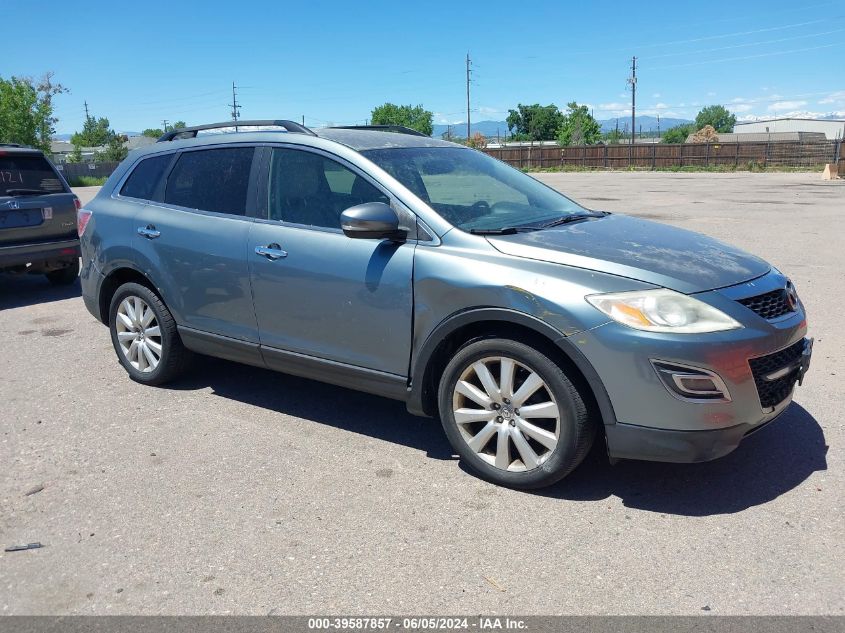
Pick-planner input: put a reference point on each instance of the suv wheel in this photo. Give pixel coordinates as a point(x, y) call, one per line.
point(144, 336)
point(64, 276)
point(513, 415)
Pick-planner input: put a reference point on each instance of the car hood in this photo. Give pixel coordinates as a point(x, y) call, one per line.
point(640, 249)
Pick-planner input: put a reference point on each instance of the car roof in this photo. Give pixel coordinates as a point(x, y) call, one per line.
point(357, 140)
point(12, 148)
point(361, 140)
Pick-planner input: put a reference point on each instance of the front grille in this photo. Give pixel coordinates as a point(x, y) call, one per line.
point(769, 305)
point(774, 392)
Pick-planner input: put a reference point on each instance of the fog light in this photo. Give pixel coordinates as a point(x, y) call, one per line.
point(691, 384)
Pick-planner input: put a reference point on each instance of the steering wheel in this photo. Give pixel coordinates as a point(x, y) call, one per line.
point(482, 207)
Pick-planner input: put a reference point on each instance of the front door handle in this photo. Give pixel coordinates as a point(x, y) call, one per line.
point(149, 232)
point(271, 251)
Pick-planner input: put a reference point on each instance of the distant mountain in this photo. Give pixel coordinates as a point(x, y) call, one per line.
point(491, 128)
point(644, 123)
point(459, 130)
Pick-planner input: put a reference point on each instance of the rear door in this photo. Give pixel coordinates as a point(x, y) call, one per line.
point(192, 242)
point(35, 203)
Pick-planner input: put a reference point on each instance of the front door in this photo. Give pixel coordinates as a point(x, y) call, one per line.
point(316, 291)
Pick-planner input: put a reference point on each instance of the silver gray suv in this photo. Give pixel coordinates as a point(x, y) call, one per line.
point(389, 262)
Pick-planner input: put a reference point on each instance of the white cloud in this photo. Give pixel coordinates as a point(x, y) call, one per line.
point(711, 94)
point(656, 95)
point(834, 97)
point(741, 107)
point(782, 106)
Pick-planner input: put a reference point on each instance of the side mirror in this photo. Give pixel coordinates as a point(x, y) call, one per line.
point(371, 220)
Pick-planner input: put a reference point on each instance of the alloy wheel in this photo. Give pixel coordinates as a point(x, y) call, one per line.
point(506, 413)
point(138, 334)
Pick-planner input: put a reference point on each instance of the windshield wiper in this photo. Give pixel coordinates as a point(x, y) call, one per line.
point(505, 230)
point(24, 192)
point(573, 217)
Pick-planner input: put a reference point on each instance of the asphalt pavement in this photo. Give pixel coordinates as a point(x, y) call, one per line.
point(239, 490)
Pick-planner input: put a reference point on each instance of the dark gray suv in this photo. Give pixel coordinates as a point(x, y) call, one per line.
point(428, 272)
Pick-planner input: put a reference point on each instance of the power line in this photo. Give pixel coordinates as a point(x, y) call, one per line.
point(469, 63)
point(632, 80)
point(236, 108)
point(736, 59)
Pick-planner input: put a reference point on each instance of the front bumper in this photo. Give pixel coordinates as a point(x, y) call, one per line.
point(39, 253)
point(652, 423)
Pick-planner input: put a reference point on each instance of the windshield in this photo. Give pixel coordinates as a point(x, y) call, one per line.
point(28, 173)
point(472, 190)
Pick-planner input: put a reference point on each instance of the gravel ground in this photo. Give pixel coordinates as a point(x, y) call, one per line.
point(239, 490)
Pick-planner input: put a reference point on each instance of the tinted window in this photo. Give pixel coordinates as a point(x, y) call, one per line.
point(145, 178)
point(31, 173)
point(211, 180)
point(306, 188)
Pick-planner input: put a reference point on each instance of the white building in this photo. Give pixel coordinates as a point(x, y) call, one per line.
point(831, 128)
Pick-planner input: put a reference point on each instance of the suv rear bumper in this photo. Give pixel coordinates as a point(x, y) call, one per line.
point(39, 252)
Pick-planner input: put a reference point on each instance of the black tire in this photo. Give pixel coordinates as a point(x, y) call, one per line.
point(174, 359)
point(64, 276)
point(576, 429)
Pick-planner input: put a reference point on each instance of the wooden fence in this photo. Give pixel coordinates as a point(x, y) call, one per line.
point(662, 156)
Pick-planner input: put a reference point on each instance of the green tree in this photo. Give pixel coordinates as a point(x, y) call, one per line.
point(535, 122)
point(415, 117)
point(26, 110)
point(716, 115)
point(679, 133)
point(178, 125)
point(578, 127)
point(115, 150)
point(614, 137)
point(95, 133)
point(152, 132)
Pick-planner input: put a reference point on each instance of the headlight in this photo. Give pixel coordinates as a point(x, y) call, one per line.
point(662, 310)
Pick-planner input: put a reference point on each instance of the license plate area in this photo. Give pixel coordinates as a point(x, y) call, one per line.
point(18, 218)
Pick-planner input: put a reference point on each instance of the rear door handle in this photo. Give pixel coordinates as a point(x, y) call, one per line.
point(149, 232)
point(271, 251)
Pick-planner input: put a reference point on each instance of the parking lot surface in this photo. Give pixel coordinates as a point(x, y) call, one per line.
point(238, 490)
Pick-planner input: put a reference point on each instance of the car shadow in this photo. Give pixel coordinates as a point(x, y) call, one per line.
point(766, 465)
point(17, 291)
point(342, 408)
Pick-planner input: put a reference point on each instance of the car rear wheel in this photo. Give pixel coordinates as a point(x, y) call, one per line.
point(144, 336)
point(513, 415)
point(64, 276)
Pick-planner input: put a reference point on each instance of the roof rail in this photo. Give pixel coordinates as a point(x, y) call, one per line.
point(399, 129)
point(12, 145)
point(191, 132)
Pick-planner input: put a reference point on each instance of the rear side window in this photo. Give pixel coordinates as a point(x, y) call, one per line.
point(144, 179)
point(27, 174)
point(211, 180)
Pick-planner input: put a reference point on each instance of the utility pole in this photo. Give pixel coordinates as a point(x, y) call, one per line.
point(633, 81)
point(164, 123)
point(658, 126)
point(236, 108)
point(469, 63)
point(87, 116)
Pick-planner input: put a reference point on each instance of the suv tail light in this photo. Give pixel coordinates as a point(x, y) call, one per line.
point(82, 217)
point(77, 203)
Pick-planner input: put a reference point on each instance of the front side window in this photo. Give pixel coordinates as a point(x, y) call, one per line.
point(144, 179)
point(26, 175)
point(211, 180)
point(308, 188)
point(472, 190)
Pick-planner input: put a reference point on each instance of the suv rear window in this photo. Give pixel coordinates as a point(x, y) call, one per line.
point(143, 181)
point(32, 174)
point(211, 180)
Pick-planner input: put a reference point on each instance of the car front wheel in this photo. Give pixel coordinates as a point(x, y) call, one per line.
point(513, 415)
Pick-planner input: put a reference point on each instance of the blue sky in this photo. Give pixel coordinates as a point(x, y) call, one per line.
point(139, 63)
